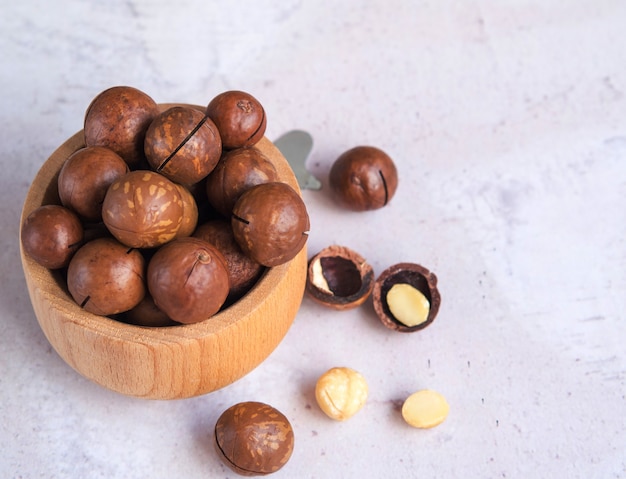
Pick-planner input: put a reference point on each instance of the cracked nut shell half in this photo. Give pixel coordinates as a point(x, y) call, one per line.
point(339, 278)
point(414, 275)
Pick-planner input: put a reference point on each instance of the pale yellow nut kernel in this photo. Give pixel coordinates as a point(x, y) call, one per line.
point(408, 304)
point(425, 409)
point(341, 392)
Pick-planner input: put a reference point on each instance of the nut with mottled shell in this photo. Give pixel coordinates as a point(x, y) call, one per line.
point(254, 438)
point(183, 145)
point(143, 209)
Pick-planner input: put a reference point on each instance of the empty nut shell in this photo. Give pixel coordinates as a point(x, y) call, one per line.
point(254, 438)
point(421, 282)
point(339, 277)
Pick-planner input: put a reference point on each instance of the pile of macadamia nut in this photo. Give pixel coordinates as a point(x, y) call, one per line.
point(164, 216)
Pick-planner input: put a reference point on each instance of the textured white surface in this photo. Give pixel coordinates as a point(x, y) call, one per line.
point(507, 120)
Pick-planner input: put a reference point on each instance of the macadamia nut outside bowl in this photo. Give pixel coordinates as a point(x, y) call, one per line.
point(163, 362)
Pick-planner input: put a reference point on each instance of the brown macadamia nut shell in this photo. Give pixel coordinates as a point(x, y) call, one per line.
point(85, 178)
point(415, 275)
point(239, 117)
point(237, 171)
point(143, 209)
point(118, 118)
point(188, 279)
point(51, 235)
point(339, 277)
point(243, 271)
point(189, 219)
point(254, 438)
point(363, 178)
point(105, 277)
point(183, 145)
point(270, 223)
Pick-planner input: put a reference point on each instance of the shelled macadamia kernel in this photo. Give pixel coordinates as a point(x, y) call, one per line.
point(341, 392)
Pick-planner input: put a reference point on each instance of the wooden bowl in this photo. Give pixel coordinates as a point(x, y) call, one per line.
point(168, 362)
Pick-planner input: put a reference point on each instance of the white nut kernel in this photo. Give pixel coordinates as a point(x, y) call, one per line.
point(341, 392)
point(408, 304)
point(425, 409)
point(318, 277)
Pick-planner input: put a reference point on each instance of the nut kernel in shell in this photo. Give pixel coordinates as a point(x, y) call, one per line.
point(254, 438)
point(419, 278)
point(425, 409)
point(339, 277)
point(341, 392)
point(408, 304)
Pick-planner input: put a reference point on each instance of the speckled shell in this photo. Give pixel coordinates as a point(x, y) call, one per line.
point(143, 209)
point(183, 145)
point(254, 438)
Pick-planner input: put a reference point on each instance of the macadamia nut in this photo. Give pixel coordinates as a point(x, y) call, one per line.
point(341, 392)
point(254, 439)
point(408, 304)
point(425, 409)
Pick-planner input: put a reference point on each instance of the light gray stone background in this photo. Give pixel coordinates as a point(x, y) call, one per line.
point(507, 121)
